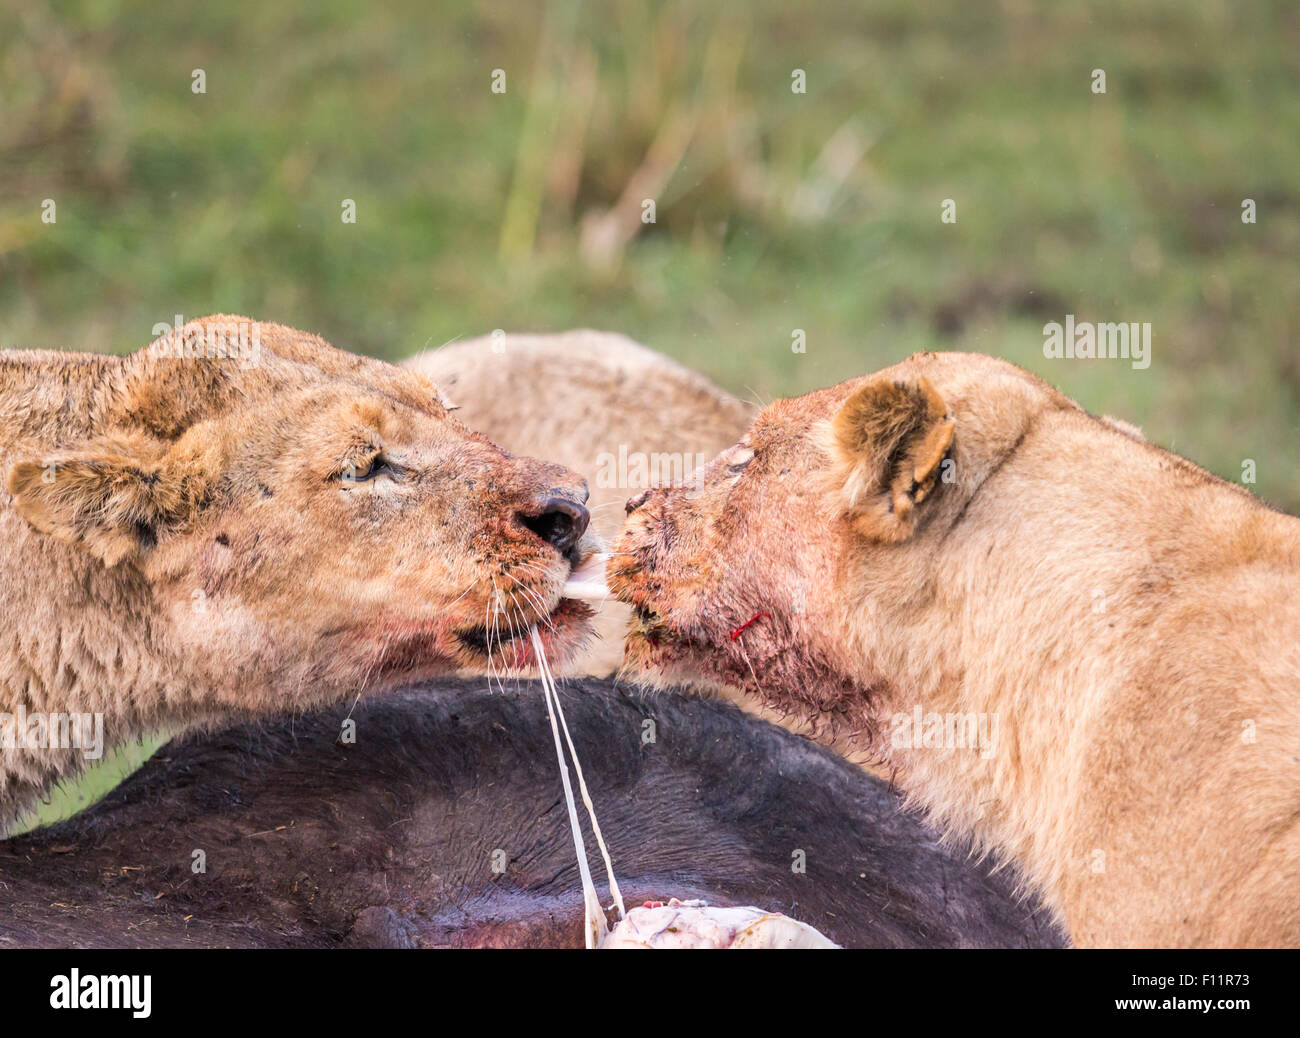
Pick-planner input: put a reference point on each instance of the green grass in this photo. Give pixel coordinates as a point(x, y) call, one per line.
point(67, 799)
point(471, 206)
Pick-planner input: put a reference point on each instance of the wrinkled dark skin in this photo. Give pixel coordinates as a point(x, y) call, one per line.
point(389, 842)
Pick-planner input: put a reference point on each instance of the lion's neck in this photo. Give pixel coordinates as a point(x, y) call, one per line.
point(998, 678)
point(55, 397)
point(1011, 683)
point(989, 743)
point(80, 669)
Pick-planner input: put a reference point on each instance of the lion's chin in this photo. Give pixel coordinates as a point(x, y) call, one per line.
point(653, 655)
point(507, 649)
point(393, 651)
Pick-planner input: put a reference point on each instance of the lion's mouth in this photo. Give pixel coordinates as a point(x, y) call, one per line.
point(508, 644)
point(506, 636)
point(484, 640)
point(646, 620)
point(626, 583)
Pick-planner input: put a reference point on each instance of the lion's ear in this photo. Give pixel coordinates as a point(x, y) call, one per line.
point(890, 439)
point(112, 500)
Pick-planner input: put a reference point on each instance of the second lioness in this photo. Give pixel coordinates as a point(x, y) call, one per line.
point(952, 538)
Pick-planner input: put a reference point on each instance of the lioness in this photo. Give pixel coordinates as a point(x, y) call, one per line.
point(1078, 648)
point(193, 532)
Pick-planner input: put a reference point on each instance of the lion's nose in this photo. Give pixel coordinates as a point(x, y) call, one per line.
point(558, 521)
point(633, 503)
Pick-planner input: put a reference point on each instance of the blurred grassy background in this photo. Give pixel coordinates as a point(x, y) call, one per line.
point(775, 210)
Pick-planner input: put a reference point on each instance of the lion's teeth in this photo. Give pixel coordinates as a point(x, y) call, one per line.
point(588, 580)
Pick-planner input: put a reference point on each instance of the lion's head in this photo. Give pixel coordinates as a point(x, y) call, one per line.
point(787, 567)
point(301, 523)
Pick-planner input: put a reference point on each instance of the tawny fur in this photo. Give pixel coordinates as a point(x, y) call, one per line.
point(1131, 621)
point(182, 544)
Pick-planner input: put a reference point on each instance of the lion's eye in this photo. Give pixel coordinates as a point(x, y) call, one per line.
point(376, 466)
point(739, 461)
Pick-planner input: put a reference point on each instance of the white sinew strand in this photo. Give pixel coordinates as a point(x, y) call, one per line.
point(594, 925)
point(588, 580)
point(582, 789)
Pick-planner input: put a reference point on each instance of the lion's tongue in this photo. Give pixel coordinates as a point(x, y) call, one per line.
point(587, 581)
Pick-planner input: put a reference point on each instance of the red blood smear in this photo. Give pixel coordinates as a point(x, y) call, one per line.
point(739, 630)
